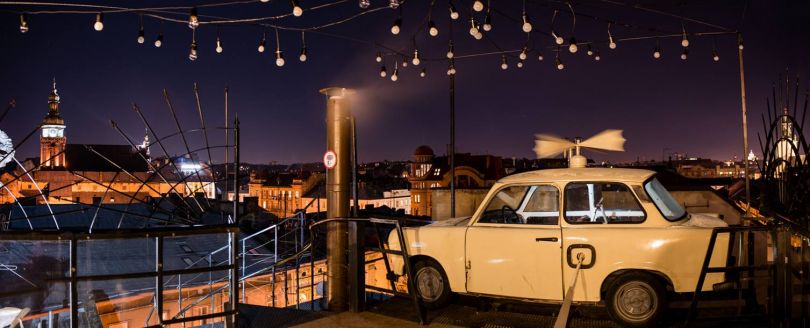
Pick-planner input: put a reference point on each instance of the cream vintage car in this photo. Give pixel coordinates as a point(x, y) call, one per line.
point(638, 245)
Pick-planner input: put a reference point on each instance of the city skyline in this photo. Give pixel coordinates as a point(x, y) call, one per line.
point(665, 105)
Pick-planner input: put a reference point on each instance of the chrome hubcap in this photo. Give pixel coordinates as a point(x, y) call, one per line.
point(430, 284)
point(636, 301)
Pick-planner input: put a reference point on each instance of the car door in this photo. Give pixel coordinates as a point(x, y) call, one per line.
point(513, 248)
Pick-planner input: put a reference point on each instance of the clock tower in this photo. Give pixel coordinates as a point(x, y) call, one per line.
point(52, 140)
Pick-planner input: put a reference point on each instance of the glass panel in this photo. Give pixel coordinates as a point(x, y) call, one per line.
point(184, 252)
point(601, 202)
point(199, 294)
point(107, 302)
point(503, 206)
point(115, 256)
point(668, 206)
point(542, 206)
point(32, 275)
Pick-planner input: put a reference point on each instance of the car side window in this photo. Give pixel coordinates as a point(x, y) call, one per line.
point(601, 202)
point(542, 206)
point(504, 205)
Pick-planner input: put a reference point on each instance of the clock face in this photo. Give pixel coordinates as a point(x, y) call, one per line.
point(52, 131)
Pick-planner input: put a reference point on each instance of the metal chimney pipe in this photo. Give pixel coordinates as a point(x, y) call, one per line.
point(338, 141)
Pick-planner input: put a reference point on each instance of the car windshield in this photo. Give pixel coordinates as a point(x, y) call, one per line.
point(668, 206)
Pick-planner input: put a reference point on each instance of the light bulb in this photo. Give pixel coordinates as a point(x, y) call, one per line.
point(715, 56)
point(504, 65)
point(364, 3)
point(740, 44)
point(219, 46)
point(297, 10)
point(478, 5)
point(423, 73)
point(279, 58)
point(473, 28)
point(379, 57)
point(520, 64)
point(488, 22)
point(657, 53)
point(540, 57)
point(303, 56)
point(159, 40)
point(264, 0)
point(479, 36)
point(685, 54)
point(383, 73)
point(557, 39)
point(523, 54)
point(450, 53)
point(394, 4)
point(612, 44)
point(141, 37)
point(527, 26)
point(453, 12)
point(193, 19)
point(99, 25)
point(261, 46)
point(433, 30)
point(597, 57)
point(559, 63)
point(684, 41)
point(416, 60)
point(404, 61)
point(590, 51)
point(572, 45)
point(395, 27)
point(23, 23)
point(394, 76)
point(192, 54)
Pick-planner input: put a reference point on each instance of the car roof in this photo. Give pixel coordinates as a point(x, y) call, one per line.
point(580, 174)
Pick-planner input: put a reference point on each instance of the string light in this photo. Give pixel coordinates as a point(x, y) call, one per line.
point(297, 11)
point(262, 42)
point(423, 73)
point(159, 40)
point(597, 57)
point(364, 3)
point(383, 73)
point(453, 11)
point(379, 57)
point(141, 35)
point(396, 27)
point(192, 54)
point(473, 27)
point(395, 75)
point(520, 64)
point(557, 39)
point(219, 45)
point(572, 45)
point(450, 53)
point(279, 54)
point(478, 5)
point(404, 61)
point(394, 4)
point(540, 56)
point(685, 39)
point(590, 51)
point(523, 53)
point(504, 65)
point(611, 42)
point(740, 44)
point(193, 19)
point(715, 56)
point(657, 52)
point(451, 69)
point(558, 62)
point(23, 23)
point(415, 59)
point(487, 22)
point(527, 25)
point(433, 31)
point(99, 25)
point(685, 53)
point(303, 56)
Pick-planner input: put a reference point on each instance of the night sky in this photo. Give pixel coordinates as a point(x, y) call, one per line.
point(665, 105)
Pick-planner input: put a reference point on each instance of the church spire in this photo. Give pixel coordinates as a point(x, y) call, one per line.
point(53, 100)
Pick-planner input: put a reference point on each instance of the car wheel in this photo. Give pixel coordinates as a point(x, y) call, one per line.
point(431, 284)
point(636, 300)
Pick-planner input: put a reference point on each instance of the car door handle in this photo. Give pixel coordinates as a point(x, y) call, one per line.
point(551, 239)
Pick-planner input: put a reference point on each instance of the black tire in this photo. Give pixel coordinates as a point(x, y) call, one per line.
point(636, 299)
point(431, 284)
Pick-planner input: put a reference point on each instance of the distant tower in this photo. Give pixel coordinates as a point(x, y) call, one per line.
point(145, 144)
point(52, 141)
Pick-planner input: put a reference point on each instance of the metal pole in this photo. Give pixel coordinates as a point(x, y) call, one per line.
point(159, 277)
point(452, 145)
point(337, 195)
point(226, 142)
point(74, 281)
point(744, 128)
point(234, 258)
point(355, 197)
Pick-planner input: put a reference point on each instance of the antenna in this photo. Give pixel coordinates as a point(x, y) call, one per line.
point(549, 146)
